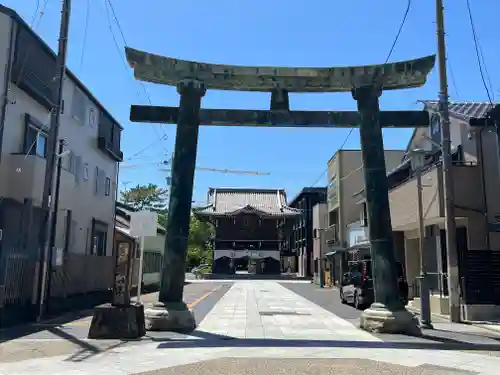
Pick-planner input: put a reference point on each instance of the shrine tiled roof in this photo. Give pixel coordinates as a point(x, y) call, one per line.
point(462, 110)
point(232, 201)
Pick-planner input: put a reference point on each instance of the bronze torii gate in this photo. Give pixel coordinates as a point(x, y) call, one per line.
point(387, 314)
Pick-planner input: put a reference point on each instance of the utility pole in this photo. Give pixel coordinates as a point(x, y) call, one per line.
point(418, 160)
point(53, 230)
point(47, 202)
point(450, 224)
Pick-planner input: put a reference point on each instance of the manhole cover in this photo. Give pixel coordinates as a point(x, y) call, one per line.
point(270, 313)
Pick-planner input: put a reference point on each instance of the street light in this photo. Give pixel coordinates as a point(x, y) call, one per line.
point(417, 158)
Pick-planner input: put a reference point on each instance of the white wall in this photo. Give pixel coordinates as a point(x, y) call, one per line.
point(275, 254)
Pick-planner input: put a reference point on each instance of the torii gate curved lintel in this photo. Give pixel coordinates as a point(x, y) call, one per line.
point(164, 70)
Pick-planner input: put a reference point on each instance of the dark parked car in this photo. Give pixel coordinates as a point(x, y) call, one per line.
point(357, 284)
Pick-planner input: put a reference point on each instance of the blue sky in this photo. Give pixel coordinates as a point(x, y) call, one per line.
point(258, 32)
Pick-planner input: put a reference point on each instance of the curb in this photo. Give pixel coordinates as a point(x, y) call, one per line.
point(484, 326)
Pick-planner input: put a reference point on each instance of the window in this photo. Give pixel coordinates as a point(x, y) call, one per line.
point(107, 187)
point(71, 162)
point(99, 243)
point(35, 137)
point(333, 190)
point(98, 238)
point(78, 105)
point(86, 172)
point(93, 117)
point(96, 187)
point(78, 169)
point(435, 125)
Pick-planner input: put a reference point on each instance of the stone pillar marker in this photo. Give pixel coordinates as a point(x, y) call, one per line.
point(170, 313)
point(387, 314)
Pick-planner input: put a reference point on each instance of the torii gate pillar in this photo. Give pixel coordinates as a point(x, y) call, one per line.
point(387, 313)
point(170, 313)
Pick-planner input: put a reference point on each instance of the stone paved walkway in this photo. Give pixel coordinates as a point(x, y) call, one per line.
point(261, 327)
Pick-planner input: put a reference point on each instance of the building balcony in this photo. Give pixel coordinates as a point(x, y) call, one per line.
point(22, 177)
point(331, 235)
point(404, 203)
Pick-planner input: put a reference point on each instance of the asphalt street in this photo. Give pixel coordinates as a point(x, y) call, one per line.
point(200, 297)
point(445, 333)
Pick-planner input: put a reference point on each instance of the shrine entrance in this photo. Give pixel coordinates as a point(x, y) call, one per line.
point(365, 83)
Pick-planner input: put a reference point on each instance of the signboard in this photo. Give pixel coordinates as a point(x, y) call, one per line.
point(121, 292)
point(143, 223)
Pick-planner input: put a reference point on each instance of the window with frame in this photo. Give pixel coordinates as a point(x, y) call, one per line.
point(71, 162)
point(107, 187)
point(333, 190)
point(79, 105)
point(435, 125)
point(99, 236)
point(86, 171)
point(97, 180)
point(35, 137)
point(93, 117)
point(99, 243)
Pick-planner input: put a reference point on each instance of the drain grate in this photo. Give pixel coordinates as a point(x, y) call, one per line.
point(271, 313)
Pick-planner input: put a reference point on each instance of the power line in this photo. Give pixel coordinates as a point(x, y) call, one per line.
point(403, 21)
point(453, 78)
point(400, 29)
point(478, 52)
point(340, 148)
point(84, 43)
point(134, 156)
point(488, 79)
point(108, 3)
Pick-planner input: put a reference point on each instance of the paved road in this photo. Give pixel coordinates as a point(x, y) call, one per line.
point(264, 327)
point(201, 297)
point(443, 332)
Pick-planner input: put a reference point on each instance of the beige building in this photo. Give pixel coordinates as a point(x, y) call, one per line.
point(90, 161)
point(475, 173)
point(345, 179)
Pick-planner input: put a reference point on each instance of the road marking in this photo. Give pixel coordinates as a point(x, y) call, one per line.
point(197, 301)
point(86, 321)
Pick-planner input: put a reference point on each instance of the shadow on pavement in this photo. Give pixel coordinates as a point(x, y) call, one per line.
point(87, 350)
point(22, 330)
point(209, 340)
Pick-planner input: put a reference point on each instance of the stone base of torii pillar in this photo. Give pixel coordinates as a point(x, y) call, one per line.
point(380, 319)
point(173, 317)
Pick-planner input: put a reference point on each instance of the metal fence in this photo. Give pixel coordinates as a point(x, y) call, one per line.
point(81, 273)
point(438, 285)
point(19, 270)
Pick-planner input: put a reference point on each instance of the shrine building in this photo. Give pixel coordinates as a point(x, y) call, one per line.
point(251, 228)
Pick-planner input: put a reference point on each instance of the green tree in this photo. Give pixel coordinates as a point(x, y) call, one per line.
point(199, 250)
point(147, 197)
